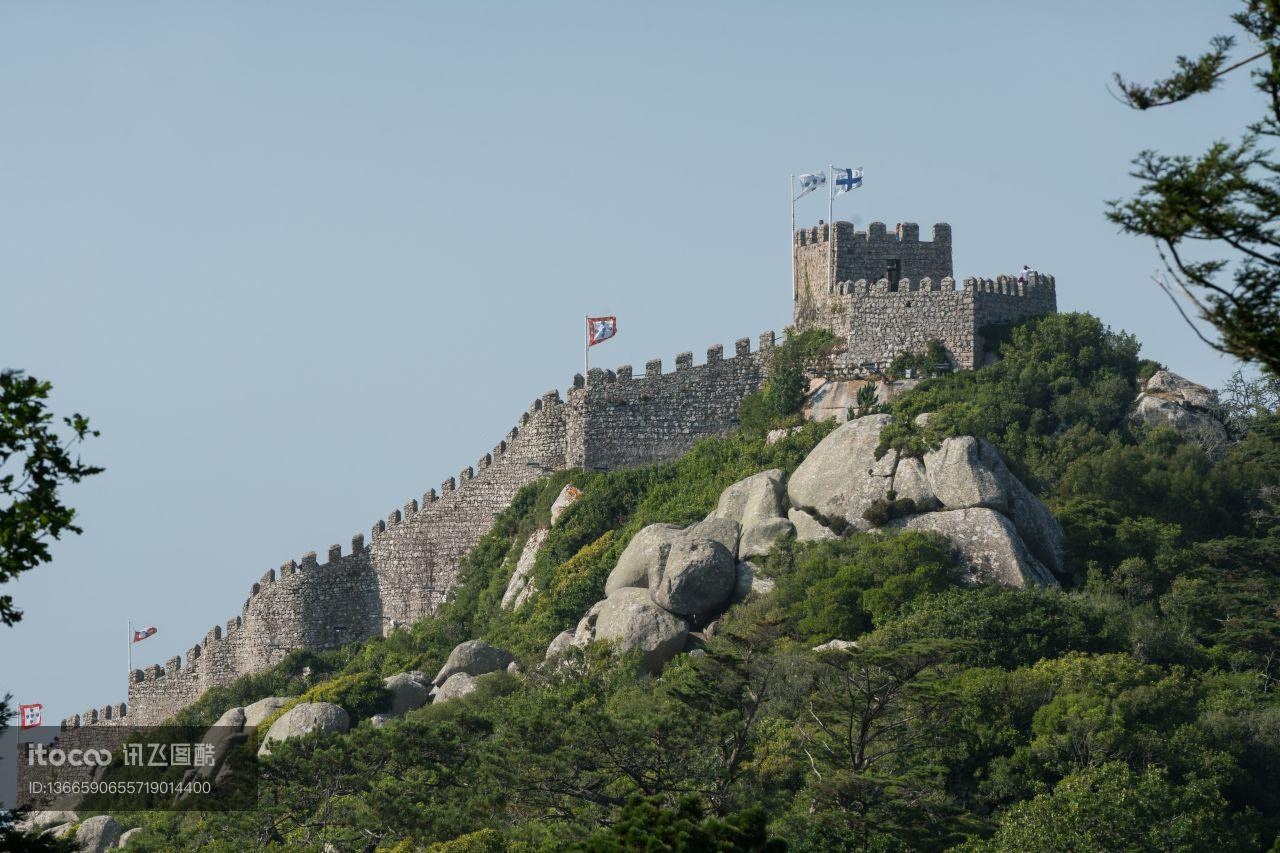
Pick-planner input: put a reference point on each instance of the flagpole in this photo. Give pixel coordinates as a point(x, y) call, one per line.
point(131, 649)
point(586, 348)
point(831, 225)
point(791, 194)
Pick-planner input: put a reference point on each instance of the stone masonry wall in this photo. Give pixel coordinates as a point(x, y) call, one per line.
point(879, 318)
point(879, 322)
point(882, 323)
point(609, 420)
point(307, 605)
point(629, 420)
point(837, 252)
point(1004, 301)
point(417, 552)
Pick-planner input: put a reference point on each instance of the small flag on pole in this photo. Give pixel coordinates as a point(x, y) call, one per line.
point(600, 329)
point(139, 636)
point(30, 716)
point(848, 179)
point(811, 182)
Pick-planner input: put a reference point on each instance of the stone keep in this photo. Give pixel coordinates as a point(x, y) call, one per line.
point(885, 293)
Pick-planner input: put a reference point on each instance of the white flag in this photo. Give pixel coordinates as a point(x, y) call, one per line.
point(811, 182)
point(847, 179)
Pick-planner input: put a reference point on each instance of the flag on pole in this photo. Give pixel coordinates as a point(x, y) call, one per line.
point(847, 179)
point(139, 636)
point(810, 182)
point(30, 716)
point(599, 330)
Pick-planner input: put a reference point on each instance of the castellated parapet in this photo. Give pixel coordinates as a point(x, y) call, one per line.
point(883, 293)
point(305, 605)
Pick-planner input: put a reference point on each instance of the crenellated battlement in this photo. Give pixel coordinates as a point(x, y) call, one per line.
point(886, 292)
point(905, 232)
point(628, 418)
point(409, 563)
point(295, 606)
point(106, 715)
point(1007, 285)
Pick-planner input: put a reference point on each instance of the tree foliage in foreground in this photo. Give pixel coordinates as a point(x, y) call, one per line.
point(1227, 198)
point(35, 463)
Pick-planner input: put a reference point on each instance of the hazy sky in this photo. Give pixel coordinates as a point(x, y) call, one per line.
point(300, 261)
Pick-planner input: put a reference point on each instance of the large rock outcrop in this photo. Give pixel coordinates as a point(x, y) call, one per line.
point(841, 477)
point(98, 834)
point(967, 472)
point(257, 712)
point(756, 505)
point(699, 570)
point(669, 580)
point(831, 399)
point(568, 497)
point(632, 621)
point(962, 473)
point(808, 528)
point(519, 587)
point(1016, 539)
point(473, 657)
point(304, 719)
point(407, 693)
point(1167, 399)
point(457, 685)
point(647, 548)
point(988, 543)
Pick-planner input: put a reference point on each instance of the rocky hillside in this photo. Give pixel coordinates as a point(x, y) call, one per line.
point(1009, 609)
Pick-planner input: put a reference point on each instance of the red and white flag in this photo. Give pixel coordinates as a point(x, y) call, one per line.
point(30, 716)
point(139, 636)
point(600, 329)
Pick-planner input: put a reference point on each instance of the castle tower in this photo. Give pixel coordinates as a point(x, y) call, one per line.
point(883, 293)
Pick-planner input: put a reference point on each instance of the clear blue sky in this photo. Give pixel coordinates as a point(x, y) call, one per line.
point(300, 261)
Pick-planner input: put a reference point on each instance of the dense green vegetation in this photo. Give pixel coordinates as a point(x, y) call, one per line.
point(1134, 709)
point(778, 403)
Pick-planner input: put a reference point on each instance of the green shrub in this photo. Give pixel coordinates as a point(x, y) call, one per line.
point(881, 510)
point(1007, 627)
point(866, 400)
point(1062, 384)
point(779, 401)
point(839, 588)
point(925, 362)
point(359, 694)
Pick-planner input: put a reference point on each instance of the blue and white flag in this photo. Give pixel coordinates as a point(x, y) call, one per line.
point(848, 179)
point(811, 182)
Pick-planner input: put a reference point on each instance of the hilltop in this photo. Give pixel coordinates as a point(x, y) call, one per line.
point(879, 694)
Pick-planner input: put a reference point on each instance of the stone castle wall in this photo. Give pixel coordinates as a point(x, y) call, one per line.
point(1005, 301)
point(609, 419)
point(628, 420)
point(878, 318)
point(881, 321)
point(837, 252)
point(416, 552)
point(305, 605)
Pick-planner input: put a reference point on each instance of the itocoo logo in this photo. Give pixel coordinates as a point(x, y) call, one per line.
point(40, 755)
